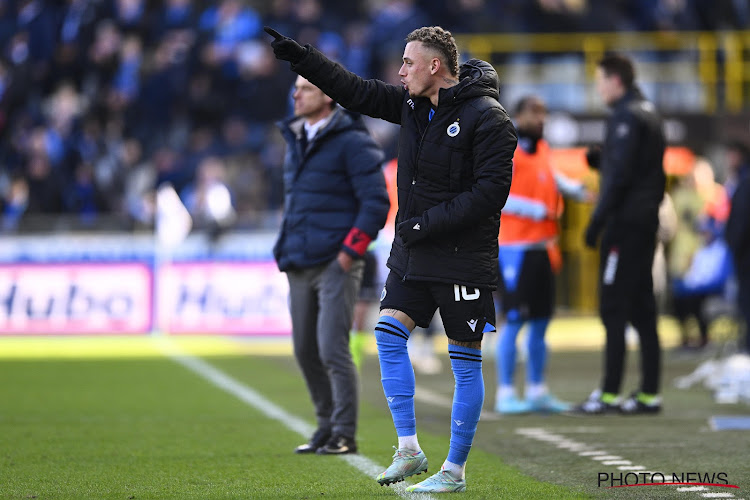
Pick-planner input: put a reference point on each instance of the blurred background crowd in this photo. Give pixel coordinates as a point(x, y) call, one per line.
point(101, 101)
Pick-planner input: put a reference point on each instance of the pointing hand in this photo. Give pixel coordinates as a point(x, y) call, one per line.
point(285, 48)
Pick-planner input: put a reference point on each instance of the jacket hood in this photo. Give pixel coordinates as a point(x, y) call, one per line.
point(476, 78)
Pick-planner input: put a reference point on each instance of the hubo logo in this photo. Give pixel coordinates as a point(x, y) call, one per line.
point(453, 129)
point(73, 298)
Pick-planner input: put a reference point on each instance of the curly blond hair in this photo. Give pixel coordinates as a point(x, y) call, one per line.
point(440, 40)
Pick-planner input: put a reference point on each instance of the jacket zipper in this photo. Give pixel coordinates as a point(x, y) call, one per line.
point(411, 188)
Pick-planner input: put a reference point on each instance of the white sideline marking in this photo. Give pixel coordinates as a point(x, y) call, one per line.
point(605, 458)
point(268, 408)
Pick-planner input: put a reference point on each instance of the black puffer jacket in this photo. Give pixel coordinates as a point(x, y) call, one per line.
point(455, 168)
point(632, 174)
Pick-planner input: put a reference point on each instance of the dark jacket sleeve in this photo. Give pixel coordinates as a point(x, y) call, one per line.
point(493, 146)
point(737, 231)
point(620, 158)
point(369, 97)
point(364, 167)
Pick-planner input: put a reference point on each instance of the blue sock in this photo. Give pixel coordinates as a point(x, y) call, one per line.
point(537, 350)
point(506, 351)
point(396, 373)
point(468, 398)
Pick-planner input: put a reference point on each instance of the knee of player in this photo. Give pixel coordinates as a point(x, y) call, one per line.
point(387, 341)
point(389, 332)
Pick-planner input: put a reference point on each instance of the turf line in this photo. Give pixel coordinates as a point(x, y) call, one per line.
point(259, 402)
point(604, 457)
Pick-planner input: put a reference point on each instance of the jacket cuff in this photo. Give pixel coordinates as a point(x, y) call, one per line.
point(357, 241)
point(295, 64)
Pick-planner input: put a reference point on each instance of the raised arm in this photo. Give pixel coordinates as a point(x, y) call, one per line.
point(369, 97)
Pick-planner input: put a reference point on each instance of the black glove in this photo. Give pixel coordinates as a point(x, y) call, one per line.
point(413, 230)
point(594, 157)
point(592, 235)
point(285, 48)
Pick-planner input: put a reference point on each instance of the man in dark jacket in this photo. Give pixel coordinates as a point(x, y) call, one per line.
point(455, 156)
point(335, 203)
point(737, 234)
point(627, 216)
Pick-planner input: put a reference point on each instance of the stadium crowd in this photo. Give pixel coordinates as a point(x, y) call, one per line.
point(102, 101)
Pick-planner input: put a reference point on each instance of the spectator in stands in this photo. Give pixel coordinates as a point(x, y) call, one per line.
point(479, 16)
point(139, 184)
point(208, 199)
point(131, 16)
point(260, 75)
point(102, 59)
point(38, 21)
point(125, 83)
point(282, 13)
point(174, 15)
point(83, 196)
point(164, 86)
point(14, 201)
point(391, 21)
point(46, 187)
point(554, 15)
point(7, 22)
point(227, 25)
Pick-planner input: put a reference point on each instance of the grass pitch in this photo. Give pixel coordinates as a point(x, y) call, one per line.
point(143, 426)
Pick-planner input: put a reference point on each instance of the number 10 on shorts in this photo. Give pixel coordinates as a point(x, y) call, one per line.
point(461, 292)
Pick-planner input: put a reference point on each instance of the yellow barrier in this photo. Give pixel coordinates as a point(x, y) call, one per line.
point(720, 57)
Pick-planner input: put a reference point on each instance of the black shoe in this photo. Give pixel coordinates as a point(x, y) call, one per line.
point(318, 439)
point(634, 406)
point(595, 406)
point(338, 445)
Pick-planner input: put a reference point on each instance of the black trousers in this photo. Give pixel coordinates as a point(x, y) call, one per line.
point(686, 306)
point(626, 295)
